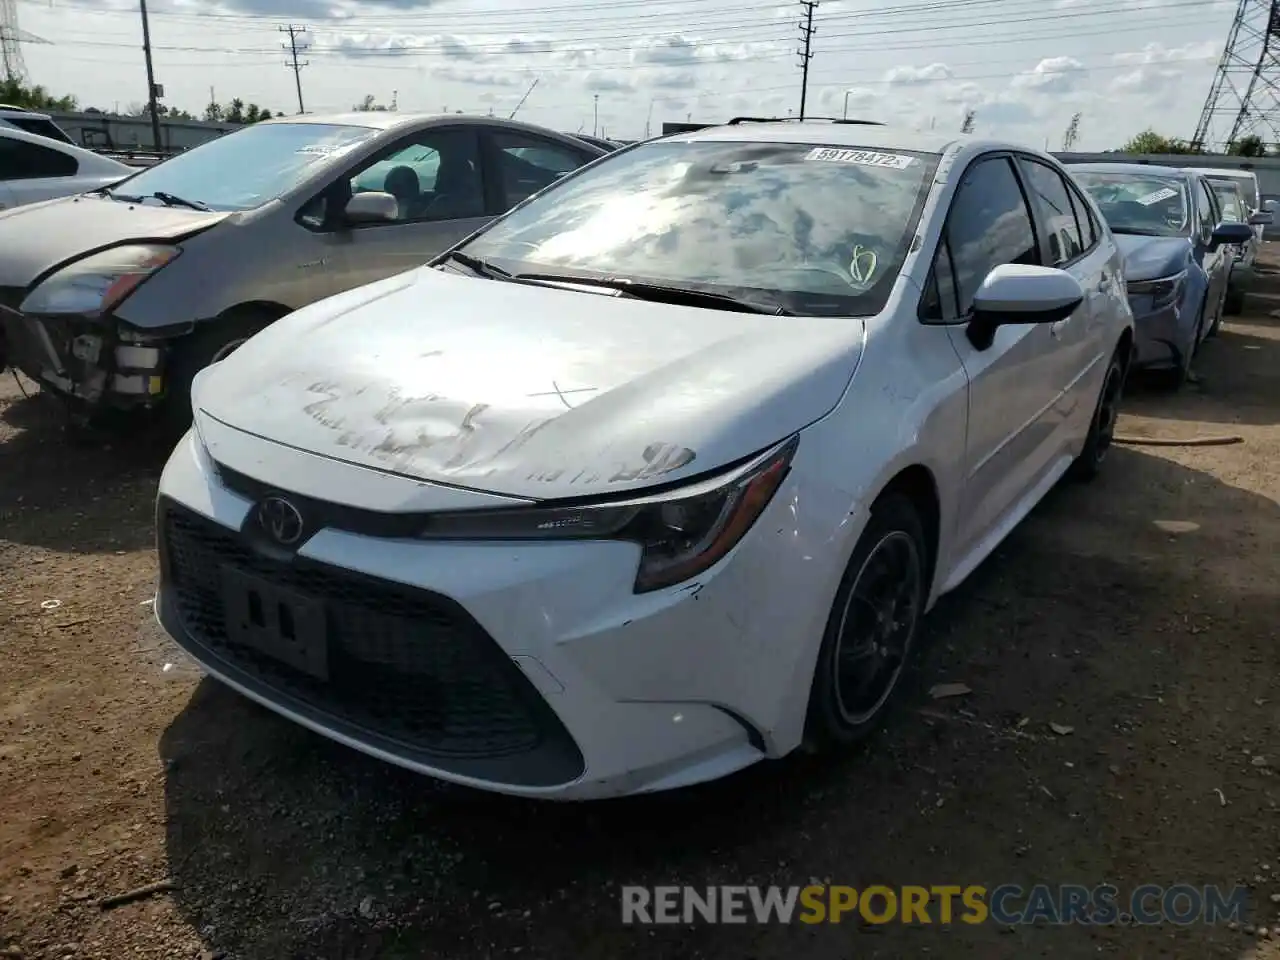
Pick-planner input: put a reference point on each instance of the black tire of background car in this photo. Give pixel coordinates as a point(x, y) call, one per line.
point(825, 727)
point(197, 350)
point(1102, 429)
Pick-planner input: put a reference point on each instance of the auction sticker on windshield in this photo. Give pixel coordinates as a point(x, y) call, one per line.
point(1156, 197)
point(867, 158)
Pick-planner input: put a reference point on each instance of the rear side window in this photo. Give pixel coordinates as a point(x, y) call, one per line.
point(41, 128)
point(28, 161)
point(989, 225)
point(1053, 202)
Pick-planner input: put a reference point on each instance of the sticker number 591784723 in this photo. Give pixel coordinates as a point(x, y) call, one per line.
point(866, 158)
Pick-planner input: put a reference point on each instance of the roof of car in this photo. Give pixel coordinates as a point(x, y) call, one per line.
point(1234, 172)
point(384, 120)
point(1151, 169)
point(840, 134)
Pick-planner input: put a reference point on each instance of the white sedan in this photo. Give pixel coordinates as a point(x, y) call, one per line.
point(655, 476)
point(35, 168)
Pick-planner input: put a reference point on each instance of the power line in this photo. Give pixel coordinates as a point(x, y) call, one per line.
point(294, 33)
point(807, 30)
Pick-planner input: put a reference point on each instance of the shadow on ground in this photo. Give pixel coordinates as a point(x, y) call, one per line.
point(76, 492)
point(1092, 615)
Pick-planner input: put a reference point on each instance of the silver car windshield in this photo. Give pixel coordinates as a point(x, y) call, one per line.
point(820, 230)
point(247, 168)
point(1150, 206)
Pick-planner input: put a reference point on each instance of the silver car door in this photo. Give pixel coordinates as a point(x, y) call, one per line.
point(1015, 380)
point(435, 175)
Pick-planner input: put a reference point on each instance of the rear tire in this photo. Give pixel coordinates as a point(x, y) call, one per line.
point(1102, 429)
point(872, 627)
point(210, 342)
point(1232, 306)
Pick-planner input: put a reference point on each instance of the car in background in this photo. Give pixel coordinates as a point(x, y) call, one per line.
point(641, 484)
point(41, 124)
point(1177, 259)
point(35, 168)
point(1236, 209)
point(1249, 186)
point(117, 298)
point(606, 145)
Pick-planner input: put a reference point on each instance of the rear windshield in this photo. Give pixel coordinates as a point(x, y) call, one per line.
point(247, 168)
point(816, 229)
point(1143, 204)
point(40, 127)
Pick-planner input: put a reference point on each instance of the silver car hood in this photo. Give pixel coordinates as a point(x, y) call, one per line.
point(529, 391)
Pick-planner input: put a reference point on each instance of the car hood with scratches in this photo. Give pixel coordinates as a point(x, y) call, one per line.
point(1148, 258)
point(529, 391)
point(40, 236)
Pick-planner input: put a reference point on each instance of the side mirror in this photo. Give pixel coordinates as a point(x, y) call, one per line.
point(1018, 293)
point(371, 207)
point(1230, 233)
point(1262, 218)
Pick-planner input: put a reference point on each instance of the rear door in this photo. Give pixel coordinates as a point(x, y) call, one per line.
point(1069, 240)
point(1014, 383)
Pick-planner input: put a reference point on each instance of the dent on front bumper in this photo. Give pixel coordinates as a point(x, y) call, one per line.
point(601, 692)
point(1161, 334)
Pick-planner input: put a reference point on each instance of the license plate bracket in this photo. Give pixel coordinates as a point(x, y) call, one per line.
point(284, 624)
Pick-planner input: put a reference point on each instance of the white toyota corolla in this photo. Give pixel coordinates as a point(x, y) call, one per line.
point(654, 476)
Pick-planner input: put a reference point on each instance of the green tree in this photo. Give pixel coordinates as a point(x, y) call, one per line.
point(369, 105)
point(213, 111)
point(234, 112)
point(1148, 141)
point(1250, 146)
point(34, 98)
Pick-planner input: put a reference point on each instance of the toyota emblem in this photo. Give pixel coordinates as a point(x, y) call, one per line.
point(281, 519)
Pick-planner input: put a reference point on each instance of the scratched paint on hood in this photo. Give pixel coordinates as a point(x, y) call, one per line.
point(530, 391)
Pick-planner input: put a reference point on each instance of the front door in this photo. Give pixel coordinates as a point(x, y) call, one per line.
point(1015, 382)
point(436, 177)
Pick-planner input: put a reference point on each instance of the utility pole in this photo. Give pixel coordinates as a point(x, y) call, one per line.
point(807, 30)
point(294, 34)
point(152, 106)
point(595, 122)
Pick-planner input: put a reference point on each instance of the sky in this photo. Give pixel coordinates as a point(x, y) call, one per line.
point(623, 67)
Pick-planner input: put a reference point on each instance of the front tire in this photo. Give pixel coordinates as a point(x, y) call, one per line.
point(872, 627)
point(208, 343)
point(1102, 429)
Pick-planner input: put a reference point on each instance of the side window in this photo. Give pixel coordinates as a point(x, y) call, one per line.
point(527, 164)
point(41, 128)
point(435, 175)
point(988, 225)
point(27, 161)
point(1049, 194)
point(1208, 211)
point(1084, 217)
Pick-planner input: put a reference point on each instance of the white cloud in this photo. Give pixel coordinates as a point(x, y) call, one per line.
point(1053, 75)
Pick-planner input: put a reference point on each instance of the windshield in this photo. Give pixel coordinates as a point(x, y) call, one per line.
point(1228, 195)
point(817, 230)
point(245, 169)
point(1145, 204)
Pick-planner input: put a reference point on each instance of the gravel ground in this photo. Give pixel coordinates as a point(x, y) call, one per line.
point(1140, 611)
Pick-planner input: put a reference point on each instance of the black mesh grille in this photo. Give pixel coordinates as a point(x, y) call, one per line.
point(407, 666)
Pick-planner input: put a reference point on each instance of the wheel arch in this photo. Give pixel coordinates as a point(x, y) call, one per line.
point(918, 484)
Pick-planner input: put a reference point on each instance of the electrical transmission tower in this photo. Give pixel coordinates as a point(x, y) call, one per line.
point(1244, 98)
point(1073, 132)
point(807, 30)
point(297, 65)
point(967, 125)
point(11, 65)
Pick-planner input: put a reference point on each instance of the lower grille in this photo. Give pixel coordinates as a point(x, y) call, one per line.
point(404, 666)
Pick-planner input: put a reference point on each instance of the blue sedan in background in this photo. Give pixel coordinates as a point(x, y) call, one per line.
point(1177, 252)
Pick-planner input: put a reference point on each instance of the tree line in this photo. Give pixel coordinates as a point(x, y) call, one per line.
point(36, 97)
point(1148, 141)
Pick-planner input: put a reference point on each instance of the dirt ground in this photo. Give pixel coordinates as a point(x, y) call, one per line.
point(1141, 611)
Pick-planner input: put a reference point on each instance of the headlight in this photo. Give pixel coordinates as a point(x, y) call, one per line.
point(99, 282)
point(681, 532)
point(1162, 292)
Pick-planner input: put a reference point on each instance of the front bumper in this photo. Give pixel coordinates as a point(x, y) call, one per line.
point(83, 360)
point(529, 669)
point(1161, 334)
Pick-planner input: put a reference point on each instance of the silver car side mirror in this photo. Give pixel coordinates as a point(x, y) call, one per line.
point(372, 207)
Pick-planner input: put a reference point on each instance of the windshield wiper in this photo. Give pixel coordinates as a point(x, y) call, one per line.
point(662, 292)
point(173, 200)
point(482, 267)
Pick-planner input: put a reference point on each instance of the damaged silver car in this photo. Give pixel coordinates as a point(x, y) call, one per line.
point(117, 298)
